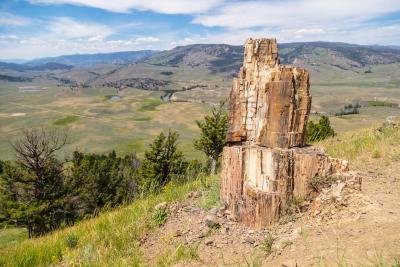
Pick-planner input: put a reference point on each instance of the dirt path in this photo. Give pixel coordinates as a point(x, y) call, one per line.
point(357, 229)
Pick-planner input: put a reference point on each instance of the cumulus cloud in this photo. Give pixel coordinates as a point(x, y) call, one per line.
point(159, 6)
point(247, 14)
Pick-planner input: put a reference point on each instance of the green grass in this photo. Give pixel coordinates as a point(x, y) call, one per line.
point(9, 236)
point(210, 198)
point(159, 217)
point(142, 119)
point(111, 239)
point(66, 120)
point(381, 104)
point(150, 104)
point(267, 244)
point(181, 253)
point(375, 142)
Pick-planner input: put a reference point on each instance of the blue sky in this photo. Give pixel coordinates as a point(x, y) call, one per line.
point(39, 28)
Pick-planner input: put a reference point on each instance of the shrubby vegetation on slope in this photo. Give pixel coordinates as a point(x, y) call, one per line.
point(319, 131)
point(213, 135)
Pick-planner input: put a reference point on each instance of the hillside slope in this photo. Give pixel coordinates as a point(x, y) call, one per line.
point(220, 58)
point(344, 233)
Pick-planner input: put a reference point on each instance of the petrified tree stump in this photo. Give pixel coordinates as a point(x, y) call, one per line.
point(265, 163)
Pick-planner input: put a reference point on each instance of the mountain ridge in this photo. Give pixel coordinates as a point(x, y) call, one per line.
point(121, 57)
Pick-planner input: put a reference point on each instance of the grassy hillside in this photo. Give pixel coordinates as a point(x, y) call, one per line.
point(112, 238)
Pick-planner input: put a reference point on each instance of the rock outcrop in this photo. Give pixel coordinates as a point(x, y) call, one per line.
point(265, 164)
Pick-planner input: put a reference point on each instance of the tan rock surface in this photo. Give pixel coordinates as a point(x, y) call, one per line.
point(269, 103)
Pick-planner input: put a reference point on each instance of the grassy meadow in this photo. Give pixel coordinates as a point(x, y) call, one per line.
point(96, 121)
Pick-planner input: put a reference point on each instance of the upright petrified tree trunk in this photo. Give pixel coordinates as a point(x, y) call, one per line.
point(265, 164)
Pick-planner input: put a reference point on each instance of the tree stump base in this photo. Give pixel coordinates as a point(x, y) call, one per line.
point(265, 164)
point(259, 182)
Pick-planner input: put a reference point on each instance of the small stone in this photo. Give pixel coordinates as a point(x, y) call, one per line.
point(211, 221)
point(177, 233)
point(202, 233)
point(225, 230)
point(160, 206)
point(197, 194)
point(250, 232)
point(213, 211)
point(249, 240)
point(208, 242)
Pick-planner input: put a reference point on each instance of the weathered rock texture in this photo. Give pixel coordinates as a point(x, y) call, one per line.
point(269, 103)
point(265, 164)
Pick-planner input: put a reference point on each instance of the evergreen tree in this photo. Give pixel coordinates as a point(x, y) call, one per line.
point(213, 135)
point(96, 181)
point(161, 162)
point(32, 189)
point(319, 131)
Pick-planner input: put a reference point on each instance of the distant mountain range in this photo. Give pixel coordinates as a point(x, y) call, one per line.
point(84, 60)
point(325, 60)
point(223, 58)
point(29, 67)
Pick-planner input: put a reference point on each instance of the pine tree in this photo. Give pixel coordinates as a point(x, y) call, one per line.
point(213, 135)
point(96, 181)
point(161, 162)
point(319, 131)
point(32, 189)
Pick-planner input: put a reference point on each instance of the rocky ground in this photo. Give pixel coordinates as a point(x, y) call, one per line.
point(342, 226)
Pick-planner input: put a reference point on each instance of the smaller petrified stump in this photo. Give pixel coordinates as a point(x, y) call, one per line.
point(265, 163)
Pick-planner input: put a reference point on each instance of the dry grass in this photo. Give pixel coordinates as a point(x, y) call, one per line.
point(376, 142)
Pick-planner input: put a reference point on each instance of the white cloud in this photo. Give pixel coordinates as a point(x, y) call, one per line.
point(8, 37)
point(69, 28)
point(309, 31)
point(301, 13)
point(185, 41)
point(96, 38)
point(159, 6)
point(147, 39)
point(12, 20)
